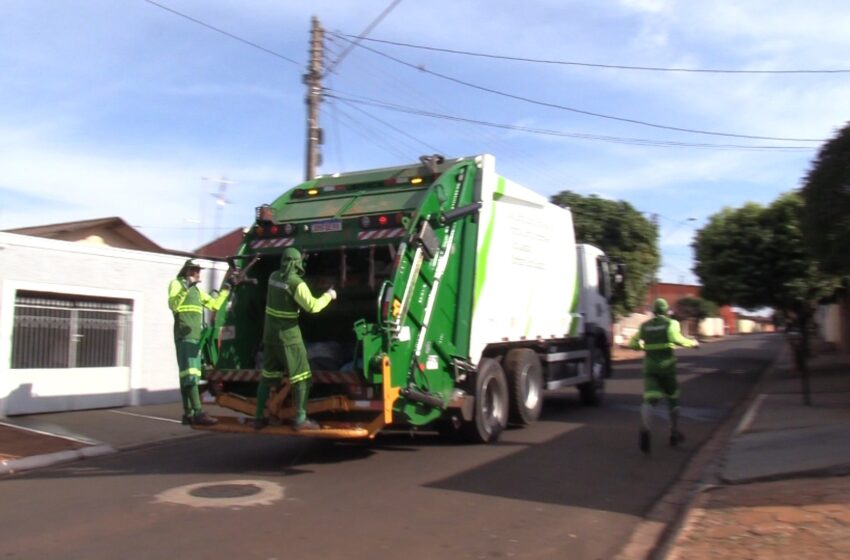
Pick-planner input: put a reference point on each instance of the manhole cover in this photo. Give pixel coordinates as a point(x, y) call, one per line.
point(225, 491)
point(231, 493)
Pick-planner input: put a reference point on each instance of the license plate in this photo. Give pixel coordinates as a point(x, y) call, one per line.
point(325, 227)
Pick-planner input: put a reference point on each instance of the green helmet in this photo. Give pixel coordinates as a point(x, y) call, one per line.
point(291, 262)
point(660, 307)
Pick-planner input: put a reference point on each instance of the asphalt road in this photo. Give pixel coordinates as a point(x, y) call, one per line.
point(574, 485)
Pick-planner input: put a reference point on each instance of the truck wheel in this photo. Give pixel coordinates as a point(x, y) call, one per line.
point(491, 403)
point(525, 380)
point(591, 392)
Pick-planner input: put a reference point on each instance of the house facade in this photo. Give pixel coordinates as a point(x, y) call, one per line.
point(86, 325)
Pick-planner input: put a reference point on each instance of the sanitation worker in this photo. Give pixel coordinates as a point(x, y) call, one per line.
point(283, 347)
point(187, 301)
point(658, 337)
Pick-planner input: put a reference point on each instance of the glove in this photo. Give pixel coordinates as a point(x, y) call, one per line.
point(226, 286)
point(331, 292)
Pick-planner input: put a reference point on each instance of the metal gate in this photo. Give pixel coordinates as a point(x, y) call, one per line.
point(67, 331)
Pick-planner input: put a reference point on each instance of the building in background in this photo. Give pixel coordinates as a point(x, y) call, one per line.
point(86, 325)
point(223, 247)
point(112, 232)
point(674, 292)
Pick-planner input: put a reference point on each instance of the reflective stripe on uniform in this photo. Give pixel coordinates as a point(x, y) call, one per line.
point(659, 346)
point(300, 377)
point(650, 395)
point(277, 314)
point(271, 374)
point(191, 371)
point(189, 309)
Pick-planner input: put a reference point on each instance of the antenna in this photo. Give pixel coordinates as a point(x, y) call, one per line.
point(221, 201)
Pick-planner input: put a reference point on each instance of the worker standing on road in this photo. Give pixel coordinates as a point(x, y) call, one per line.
point(658, 337)
point(187, 301)
point(283, 347)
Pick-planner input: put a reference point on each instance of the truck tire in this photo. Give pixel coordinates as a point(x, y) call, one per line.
point(591, 392)
point(525, 381)
point(491, 404)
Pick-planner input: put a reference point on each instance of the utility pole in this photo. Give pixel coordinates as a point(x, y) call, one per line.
point(313, 80)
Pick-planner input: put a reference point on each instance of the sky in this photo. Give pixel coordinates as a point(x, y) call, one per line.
point(124, 108)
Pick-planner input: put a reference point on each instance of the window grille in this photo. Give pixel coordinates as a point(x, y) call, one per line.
point(69, 331)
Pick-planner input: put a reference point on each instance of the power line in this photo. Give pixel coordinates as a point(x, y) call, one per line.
point(594, 65)
point(363, 35)
point(222, 31)
point(388, 125)
point(481, 136)
point(573, 109)
point(548, 132)
point(371, 135)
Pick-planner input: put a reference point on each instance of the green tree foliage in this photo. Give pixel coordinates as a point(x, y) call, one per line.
point(756, 256)
point(624, 234)
point(826, 215)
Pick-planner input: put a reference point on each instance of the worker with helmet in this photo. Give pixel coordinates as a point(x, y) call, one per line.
point(283, 346)
point(658, 337)
point(187, 302)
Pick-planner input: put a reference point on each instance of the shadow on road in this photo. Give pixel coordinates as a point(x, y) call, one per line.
point(574, 456)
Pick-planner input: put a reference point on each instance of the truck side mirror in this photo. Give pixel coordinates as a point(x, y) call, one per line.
point(619, 274)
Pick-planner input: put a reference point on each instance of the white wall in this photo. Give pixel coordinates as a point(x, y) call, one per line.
point(32, 263)
point(828, 319)
point(711, 327)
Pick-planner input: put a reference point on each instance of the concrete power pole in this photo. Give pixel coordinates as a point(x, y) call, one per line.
point(313, 80)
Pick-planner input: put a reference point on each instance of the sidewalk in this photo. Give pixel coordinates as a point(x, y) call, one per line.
point(781, 488)
point(40, 440)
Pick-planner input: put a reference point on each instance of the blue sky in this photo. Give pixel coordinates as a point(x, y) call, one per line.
point(121, 108)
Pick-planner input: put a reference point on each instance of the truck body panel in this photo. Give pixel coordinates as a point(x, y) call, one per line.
point(460, 292)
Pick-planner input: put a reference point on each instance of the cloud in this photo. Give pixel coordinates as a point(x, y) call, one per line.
point(162, 197)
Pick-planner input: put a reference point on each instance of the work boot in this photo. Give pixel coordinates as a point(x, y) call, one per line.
point(187, 420)
point(203, 419)
point(260, 423)
point(676, 438)
point(645, 441)
point(306, 424)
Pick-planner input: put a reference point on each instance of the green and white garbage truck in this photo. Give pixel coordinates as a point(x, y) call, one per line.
point(462, 297)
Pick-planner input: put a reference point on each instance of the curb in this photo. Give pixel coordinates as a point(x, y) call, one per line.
point(670, 514)
point(842, 469)
point(12, 466)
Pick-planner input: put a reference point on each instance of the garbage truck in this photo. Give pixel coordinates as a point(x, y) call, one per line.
point(462, 298)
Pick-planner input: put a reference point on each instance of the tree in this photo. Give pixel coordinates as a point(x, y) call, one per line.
point(756, 256)
point(826, 214)
point(624, 234)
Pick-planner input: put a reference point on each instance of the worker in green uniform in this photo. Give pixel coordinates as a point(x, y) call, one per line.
point(658, 337)
point(283, 347)
point(187, 301)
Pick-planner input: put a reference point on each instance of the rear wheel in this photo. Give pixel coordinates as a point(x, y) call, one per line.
point(591, 392)
point(525, 380)
point(491, 403)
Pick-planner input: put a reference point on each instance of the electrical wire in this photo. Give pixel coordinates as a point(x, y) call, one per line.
point(548, 132)
point(365, 32)
point(575, 110)
point(594, 65)
point(388, 125)
point(485, 139)
point(222, 31)
point(368, 133)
